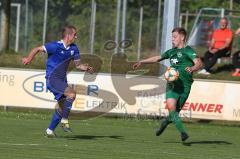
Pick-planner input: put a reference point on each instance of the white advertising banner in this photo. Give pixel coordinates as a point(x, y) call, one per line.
point(105, 93)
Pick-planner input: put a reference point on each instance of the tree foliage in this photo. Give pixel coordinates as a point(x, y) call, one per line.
point(5, 24)
point(78, 13)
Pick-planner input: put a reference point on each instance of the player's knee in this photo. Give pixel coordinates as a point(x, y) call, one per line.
point(171, 107)
point(171, 104)
point(72, 95)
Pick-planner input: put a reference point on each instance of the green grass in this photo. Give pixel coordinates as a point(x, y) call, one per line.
point(21, 136)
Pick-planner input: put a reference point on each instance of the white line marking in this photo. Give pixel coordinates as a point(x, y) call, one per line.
point(13, 144)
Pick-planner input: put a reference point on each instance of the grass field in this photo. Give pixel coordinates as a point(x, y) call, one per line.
point(21, 137)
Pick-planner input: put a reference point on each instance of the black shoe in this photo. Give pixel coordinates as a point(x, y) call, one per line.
point(184, 136)
point(163, 126)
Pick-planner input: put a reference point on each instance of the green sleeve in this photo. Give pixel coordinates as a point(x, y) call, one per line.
point(165, 55)
point(191, 53)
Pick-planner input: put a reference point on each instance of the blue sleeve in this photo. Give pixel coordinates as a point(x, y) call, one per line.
point(50, 48)
point(76, 55)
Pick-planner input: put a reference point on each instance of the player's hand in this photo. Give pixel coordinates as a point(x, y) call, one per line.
point(26, 61)
point(213, 50)
point(87, 68)
point(136, 65)
point(90, 69)
point(189, 69)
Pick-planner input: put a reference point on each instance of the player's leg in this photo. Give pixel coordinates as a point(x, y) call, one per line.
point(213, 60)
point(207, 60)
point(236, 63)
point(57, 87)
point(56, 118)
point(70, 95)
point(170, 94)
point(180, 103)
point(164, 123)
point(174, 115)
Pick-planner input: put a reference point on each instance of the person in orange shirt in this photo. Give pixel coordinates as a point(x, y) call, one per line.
point(220, 45)
point(236, 59)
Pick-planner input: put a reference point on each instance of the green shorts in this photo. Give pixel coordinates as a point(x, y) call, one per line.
point(179, 91)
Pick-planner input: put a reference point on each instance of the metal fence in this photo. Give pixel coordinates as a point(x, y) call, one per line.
point(34, 22)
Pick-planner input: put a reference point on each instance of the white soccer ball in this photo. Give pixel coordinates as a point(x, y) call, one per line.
point(171, 74)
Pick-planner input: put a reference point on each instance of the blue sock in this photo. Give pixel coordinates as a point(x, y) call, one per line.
point(56, 118)
point(67, 105)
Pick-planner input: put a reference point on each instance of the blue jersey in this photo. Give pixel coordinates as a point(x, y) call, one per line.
point(59, 58)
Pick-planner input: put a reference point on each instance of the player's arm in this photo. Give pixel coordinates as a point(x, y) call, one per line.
point(211, 44)
point(237, 32)
point(83, 67)
point(27, 60)
point(197, 65)
point(149, 60)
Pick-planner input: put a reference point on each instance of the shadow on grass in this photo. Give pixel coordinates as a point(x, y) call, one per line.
point(207, 142)
point(203, 142)
point(90, 137)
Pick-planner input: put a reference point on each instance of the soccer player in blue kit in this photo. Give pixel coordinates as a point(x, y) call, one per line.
point(60, 53)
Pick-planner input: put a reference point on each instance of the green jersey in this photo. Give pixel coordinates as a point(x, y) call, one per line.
point(180, 59)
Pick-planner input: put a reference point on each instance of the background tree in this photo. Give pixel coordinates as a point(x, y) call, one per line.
point(5, 24)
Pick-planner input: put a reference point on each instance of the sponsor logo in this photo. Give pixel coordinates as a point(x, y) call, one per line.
point(179, 54)
point(236, 113)
point(174, 61)
point(8, 79)
point(204, 107)
point(92, 89)
point(36, 88)
point(72, 52)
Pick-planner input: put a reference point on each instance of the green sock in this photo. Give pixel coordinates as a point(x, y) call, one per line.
point(165, 122)
point(173, 116)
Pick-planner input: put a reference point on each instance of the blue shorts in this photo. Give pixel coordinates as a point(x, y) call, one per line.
point(57, 87)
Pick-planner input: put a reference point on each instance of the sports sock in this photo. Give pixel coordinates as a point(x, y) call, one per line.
point(66, 107)
point(173, 116)
point(56, 118)
point(165, 122)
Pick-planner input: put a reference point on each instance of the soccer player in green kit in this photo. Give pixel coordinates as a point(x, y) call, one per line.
point(185, 60)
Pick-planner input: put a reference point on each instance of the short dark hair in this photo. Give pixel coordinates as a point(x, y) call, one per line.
point(181, 31)
point(224, 18)
point(68, 30)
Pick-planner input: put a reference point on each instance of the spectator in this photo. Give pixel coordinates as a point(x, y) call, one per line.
point(236, 59)
point(220, 45)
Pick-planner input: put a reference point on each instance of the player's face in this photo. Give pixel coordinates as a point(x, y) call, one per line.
point(177, 39)
point(223, 23)
point(72, 37)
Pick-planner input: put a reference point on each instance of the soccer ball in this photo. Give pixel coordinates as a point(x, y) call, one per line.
point(171, 74)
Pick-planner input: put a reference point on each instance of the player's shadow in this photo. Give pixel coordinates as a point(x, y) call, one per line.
point(203, 142)
point(207, 142)
point(91, 137)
